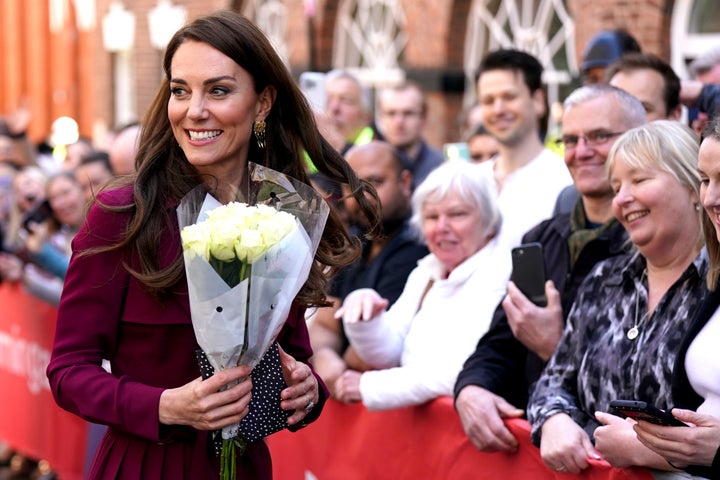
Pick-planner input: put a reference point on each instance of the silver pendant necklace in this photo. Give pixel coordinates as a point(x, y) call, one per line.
point(634, 331)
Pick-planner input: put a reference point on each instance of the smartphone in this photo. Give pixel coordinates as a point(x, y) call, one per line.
point(37, 214)
point(312, 85)
point(528, 272)
point(456, 151)
point(644, 411)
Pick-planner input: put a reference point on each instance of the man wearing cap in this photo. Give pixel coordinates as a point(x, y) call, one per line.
point(602, 50)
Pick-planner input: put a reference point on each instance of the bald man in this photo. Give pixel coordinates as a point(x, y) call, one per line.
point(123, 149)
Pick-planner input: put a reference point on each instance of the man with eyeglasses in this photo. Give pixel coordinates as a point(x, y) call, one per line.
point(649, 79)
point(495, 380)
point(401, 117)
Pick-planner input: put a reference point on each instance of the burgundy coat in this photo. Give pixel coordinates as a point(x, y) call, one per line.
point(106, 314)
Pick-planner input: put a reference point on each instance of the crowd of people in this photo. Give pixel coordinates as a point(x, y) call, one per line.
point(44, 198)
point(421, 303)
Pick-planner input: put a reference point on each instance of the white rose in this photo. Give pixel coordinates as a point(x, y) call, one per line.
point(250, 246)
point(223, 235)
point(195, 238)
point(226, 213)
point(275, 229)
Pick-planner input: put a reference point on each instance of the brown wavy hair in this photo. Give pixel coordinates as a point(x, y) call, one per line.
point(164, 175)
point(712, 131)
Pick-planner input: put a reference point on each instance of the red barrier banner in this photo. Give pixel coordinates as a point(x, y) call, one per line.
point(424, 442)
point(30, 421)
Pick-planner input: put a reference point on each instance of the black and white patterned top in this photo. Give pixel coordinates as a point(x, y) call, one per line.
point(595, 361)
point(265, 416)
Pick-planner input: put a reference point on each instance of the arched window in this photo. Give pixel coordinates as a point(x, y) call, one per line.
point(695, 29)
point(369, 40)
point(271, 17)
point(540, 27)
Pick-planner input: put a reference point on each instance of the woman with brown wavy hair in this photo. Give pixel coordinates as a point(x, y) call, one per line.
point(227, 99)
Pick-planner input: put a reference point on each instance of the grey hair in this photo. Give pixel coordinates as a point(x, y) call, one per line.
point(631, 111)
point(464, 179)
point(365, 93)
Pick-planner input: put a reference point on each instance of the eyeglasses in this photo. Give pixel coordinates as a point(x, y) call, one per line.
point(591, 139)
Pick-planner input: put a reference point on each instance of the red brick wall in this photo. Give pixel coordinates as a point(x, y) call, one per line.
point(146, 60)
point(435, 31)
point(647, 20)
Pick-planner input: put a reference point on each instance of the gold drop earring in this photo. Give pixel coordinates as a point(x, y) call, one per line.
point(259, 131)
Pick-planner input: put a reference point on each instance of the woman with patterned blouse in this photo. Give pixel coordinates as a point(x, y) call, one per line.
point(696, 389)
point(630, 314)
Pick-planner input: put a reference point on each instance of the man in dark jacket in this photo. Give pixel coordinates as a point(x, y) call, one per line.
point(494, 382)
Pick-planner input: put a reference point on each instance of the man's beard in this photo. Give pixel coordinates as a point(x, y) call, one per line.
point(392, 225)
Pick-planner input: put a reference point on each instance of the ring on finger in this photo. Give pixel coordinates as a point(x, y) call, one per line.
point(310, 405)
point(560, 468)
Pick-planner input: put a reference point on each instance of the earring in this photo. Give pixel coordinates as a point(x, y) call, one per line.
point(259, 131)
point(697, 207)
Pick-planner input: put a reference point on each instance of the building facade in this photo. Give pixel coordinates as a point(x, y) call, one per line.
point(87, 60)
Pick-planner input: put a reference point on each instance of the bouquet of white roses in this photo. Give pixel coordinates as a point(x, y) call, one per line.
point(245, 263)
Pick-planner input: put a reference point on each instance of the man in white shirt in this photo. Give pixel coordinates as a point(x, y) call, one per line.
point(527, 176)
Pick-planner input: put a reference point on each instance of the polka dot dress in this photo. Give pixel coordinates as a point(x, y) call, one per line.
point(265, 416)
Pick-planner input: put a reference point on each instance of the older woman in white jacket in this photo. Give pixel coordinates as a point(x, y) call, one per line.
point(418, 347)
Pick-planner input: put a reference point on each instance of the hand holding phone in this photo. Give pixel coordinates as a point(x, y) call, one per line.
point(528, 272)
point(38, 214)
point(639, 410)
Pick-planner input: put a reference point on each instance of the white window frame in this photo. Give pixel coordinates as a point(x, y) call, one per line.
point(529, 22)
point(368, 45)
point(271, 17)
point(687, 45)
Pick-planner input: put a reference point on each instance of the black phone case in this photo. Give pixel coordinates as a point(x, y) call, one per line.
point(639, 410)
point(38, 214)
point(528, 272)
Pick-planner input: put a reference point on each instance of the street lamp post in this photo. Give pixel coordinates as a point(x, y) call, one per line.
point(119, 40)
point(164, 20)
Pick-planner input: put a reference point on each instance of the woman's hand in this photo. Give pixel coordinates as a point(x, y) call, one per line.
point(201, 405)
point(11, 267)
point(347, 387)
point(696, 444)
point(361, 305)
point(37, 235)
point(617, 442)
point(303, 392)
point(19, 120)
point(565, 447)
